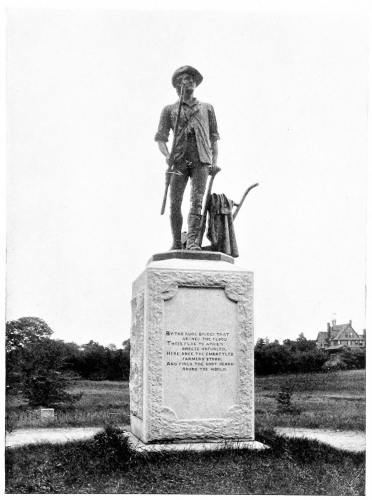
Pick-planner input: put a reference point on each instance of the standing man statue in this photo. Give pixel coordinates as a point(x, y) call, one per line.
point(194, 154)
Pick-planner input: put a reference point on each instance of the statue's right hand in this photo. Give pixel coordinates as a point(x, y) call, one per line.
point(168, 160)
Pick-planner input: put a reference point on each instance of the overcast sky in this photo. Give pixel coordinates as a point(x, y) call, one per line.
point(85, 88)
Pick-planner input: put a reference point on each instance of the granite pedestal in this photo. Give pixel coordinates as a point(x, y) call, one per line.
point(192, 378)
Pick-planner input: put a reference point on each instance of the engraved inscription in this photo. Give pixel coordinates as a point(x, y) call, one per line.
point(199, 351)
point(200, 371)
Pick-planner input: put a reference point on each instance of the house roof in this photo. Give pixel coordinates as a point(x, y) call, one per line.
point(337, 331)
point(335, 347)
point(322, 336)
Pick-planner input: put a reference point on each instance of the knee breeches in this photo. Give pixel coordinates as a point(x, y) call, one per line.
point(198, 173)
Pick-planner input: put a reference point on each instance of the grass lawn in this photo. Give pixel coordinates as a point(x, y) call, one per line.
point(289, 467)
point(101, 402)
point(334, 400)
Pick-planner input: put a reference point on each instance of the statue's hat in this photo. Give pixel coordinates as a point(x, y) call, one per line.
point(190, 70)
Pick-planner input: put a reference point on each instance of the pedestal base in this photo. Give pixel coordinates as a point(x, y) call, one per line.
point(192, 350)
point(191, 255)
point(140, 447)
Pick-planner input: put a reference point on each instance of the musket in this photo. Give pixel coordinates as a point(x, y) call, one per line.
point(170, 163)
point(239, 205)
point(199, 239)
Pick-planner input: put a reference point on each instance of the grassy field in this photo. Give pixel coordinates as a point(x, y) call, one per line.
point(101, 402)
point(334, 400)
point(289, 467)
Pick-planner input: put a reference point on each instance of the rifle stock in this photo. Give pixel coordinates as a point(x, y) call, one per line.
point(167, 181)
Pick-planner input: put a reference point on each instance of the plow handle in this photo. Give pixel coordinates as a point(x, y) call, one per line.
point(199, 239)
point(242, 200)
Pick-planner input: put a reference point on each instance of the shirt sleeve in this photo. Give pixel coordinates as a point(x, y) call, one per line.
point(213, 129)
point(164, 126)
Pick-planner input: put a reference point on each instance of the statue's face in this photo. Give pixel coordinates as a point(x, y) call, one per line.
point(187, 80)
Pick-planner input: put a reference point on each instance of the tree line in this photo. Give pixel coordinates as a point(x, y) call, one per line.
point(301, 355)
point(42, 369)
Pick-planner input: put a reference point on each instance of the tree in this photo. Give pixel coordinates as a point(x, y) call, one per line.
point(308, 361)
point(21, 332)
point(293, 356)
point(271, 358)
point(290, 344)
point(260, 343)
point(35, 363)
point(96, 362)
point(21, 336)
point(126, 359)
point(302, 344)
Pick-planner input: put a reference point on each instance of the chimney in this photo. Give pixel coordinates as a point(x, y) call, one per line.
point(350, 322)
point(328, 328)
point(333, 322)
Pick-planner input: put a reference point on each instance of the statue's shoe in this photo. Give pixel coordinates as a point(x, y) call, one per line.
point(193, 246)
point(176, 246)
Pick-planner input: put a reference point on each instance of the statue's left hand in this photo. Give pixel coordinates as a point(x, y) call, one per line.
point(213, 169)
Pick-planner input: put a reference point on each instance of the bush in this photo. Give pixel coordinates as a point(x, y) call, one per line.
point(284, 399)
point(354, 359)
point(347, 359)
point(334, 365)
point(113, 449)
point(49, 389)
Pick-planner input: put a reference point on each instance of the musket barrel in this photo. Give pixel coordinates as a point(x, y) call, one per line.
point(170, 164)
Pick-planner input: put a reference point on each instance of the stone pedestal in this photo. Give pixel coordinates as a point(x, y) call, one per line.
point(192, 345)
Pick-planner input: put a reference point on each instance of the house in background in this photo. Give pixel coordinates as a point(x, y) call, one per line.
point(339, 336)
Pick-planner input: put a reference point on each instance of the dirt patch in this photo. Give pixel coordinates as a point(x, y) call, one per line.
point(36, 436)
point(342, 440)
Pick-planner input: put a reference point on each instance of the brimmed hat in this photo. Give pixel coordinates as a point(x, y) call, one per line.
point(190, 70)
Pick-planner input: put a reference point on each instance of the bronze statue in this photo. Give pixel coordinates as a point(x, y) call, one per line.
point(194, 153)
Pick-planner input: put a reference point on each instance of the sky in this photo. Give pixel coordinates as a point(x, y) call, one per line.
point(85, 178)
